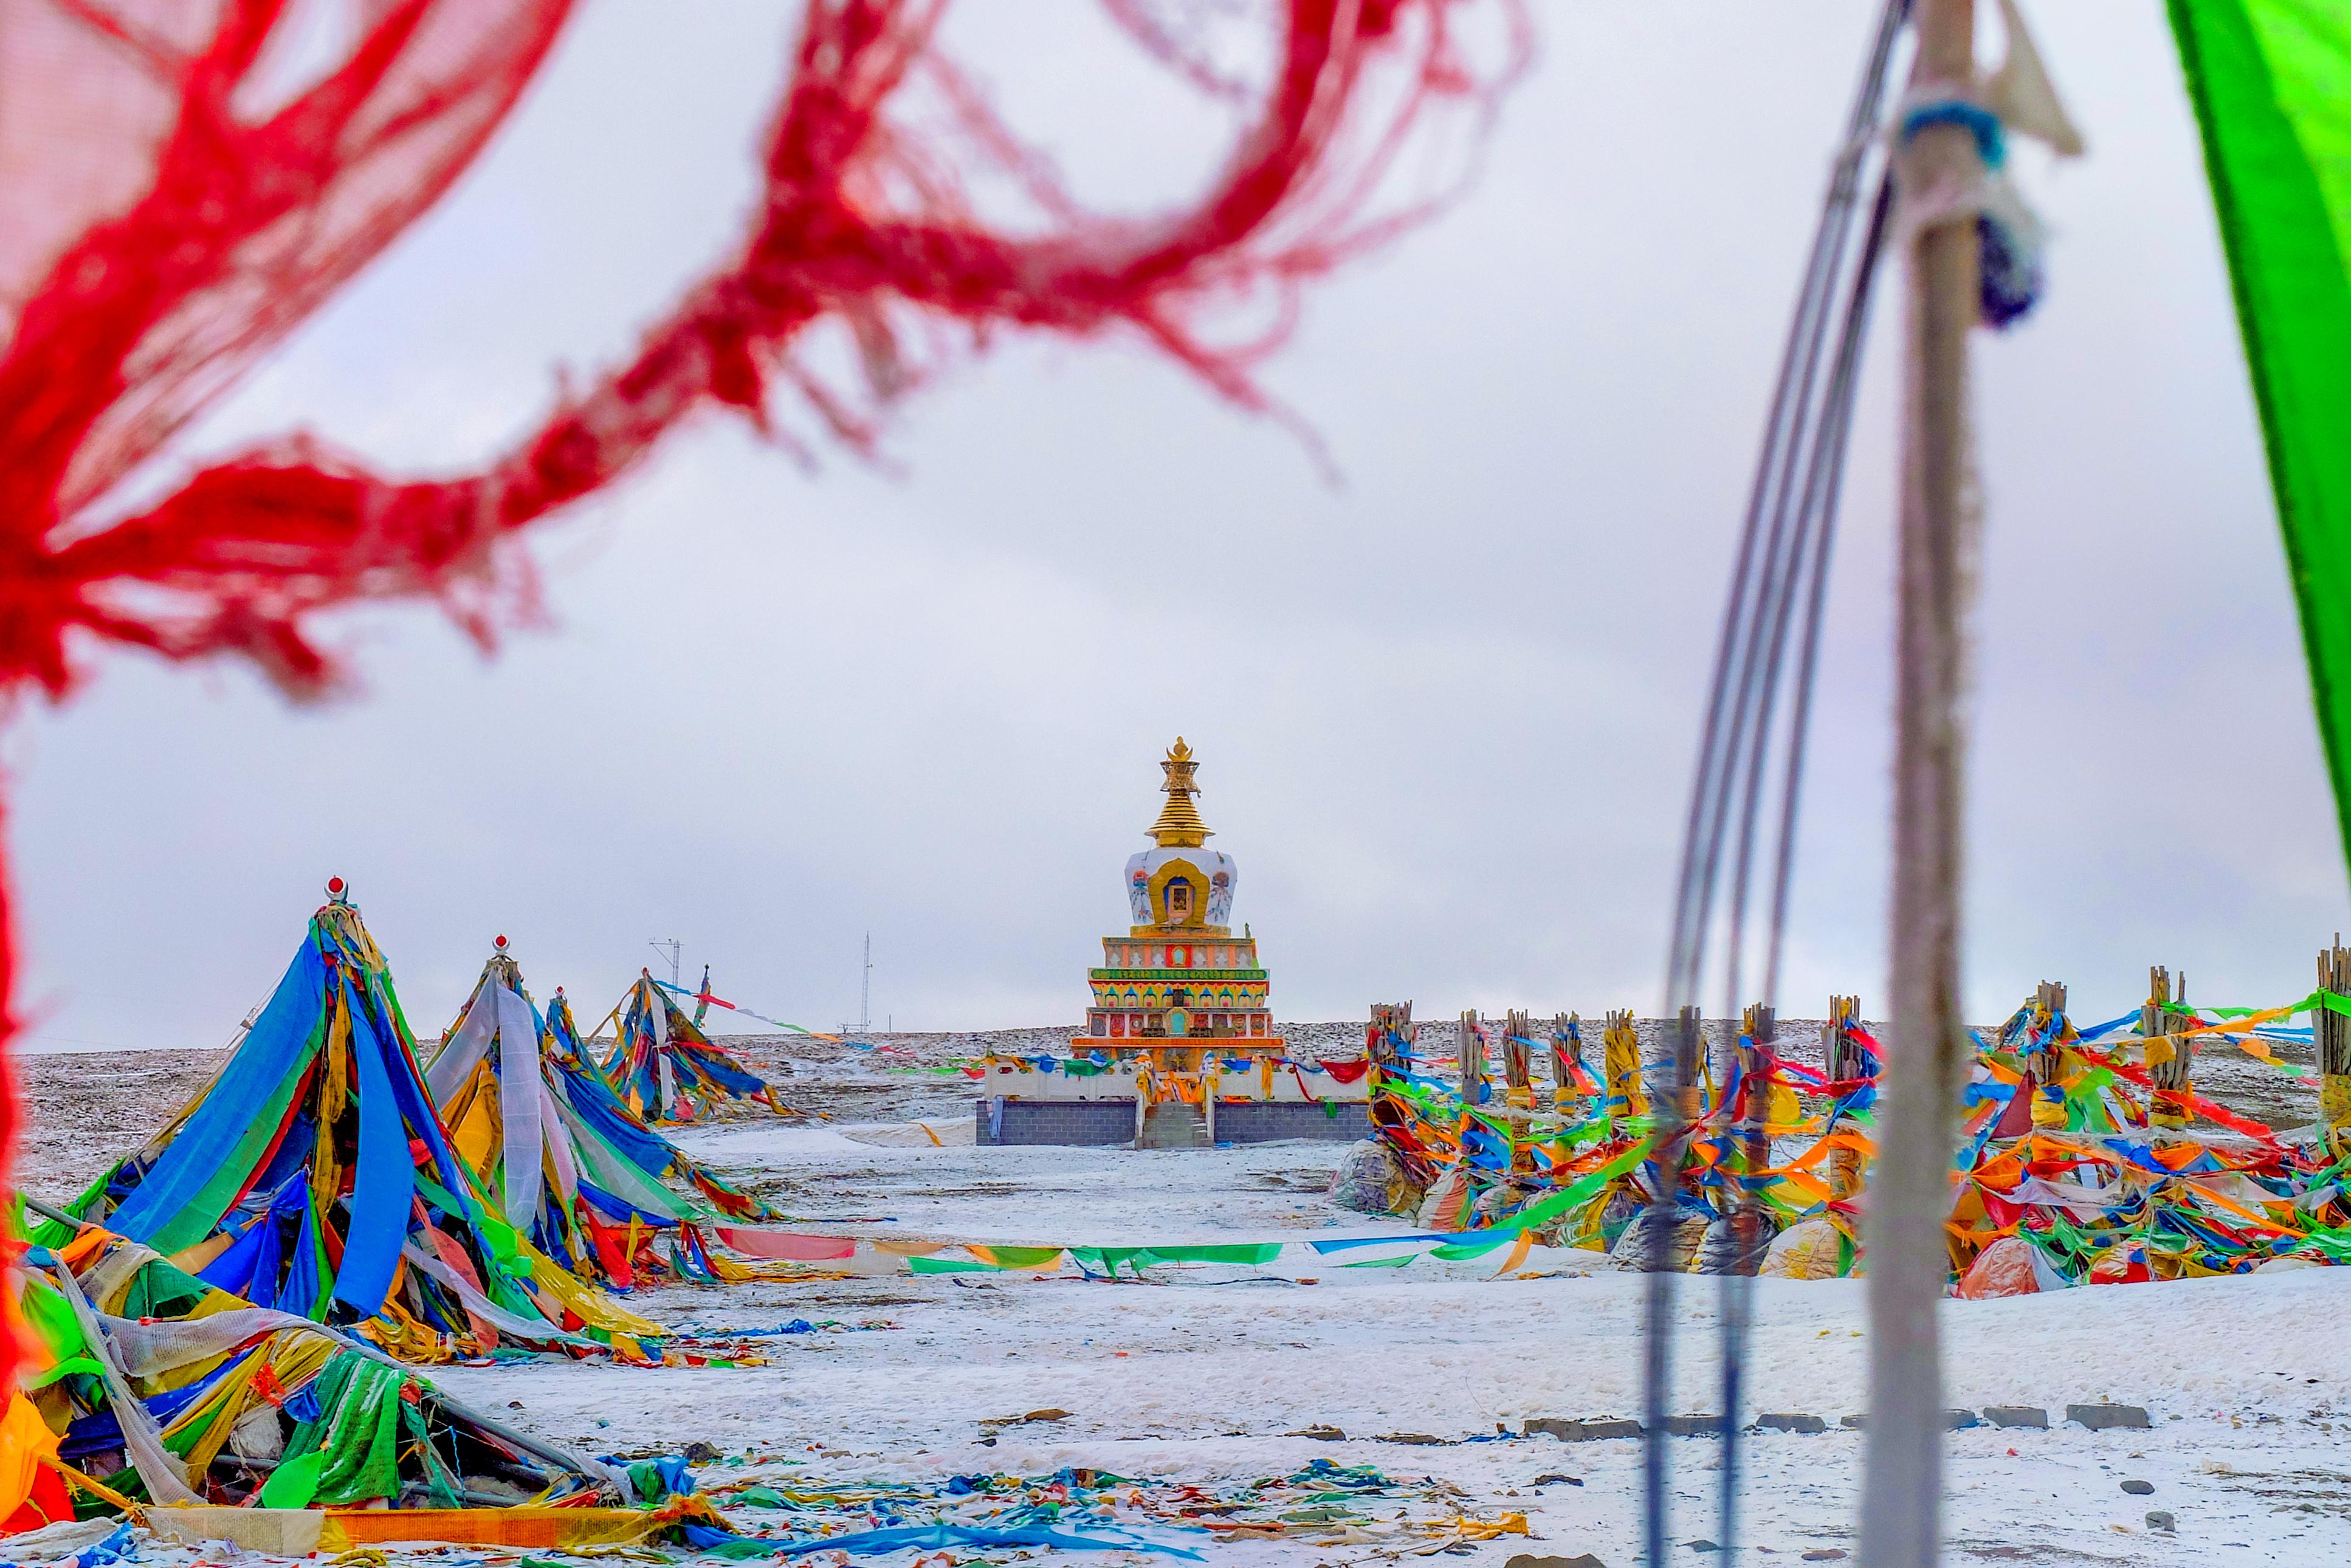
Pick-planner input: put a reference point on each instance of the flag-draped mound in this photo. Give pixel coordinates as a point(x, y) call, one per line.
point(313, 1175)
point(2271, 84)
point(589, 1095)
point(178, 201)
point(2092, 1172)
point(168, 1388)
point(666, 1069)
point(568, 1165)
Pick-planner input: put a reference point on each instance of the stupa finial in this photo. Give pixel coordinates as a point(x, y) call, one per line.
point(1179, 825)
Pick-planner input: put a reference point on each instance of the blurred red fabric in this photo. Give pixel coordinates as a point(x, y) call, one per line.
point(179, 191)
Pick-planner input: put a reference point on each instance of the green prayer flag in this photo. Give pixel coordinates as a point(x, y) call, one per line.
point(1544, 1210)
point(1252, 1253)
point(947, 1266)
point(355, 1442)
point(294, 1483)
point(51, 1316)
point(2271, 80)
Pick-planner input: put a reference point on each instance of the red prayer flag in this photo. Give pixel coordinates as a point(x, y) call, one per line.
point(173, 210)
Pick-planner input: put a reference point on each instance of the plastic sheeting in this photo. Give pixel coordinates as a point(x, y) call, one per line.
point(533, 1329)
point(150, 1349)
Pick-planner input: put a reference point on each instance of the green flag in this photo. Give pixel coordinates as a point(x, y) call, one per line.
point(2271, 84)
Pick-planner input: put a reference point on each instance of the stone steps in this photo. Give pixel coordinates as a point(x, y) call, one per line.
point(1174, 1125)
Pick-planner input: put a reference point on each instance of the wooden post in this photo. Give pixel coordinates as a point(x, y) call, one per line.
point(1620, 1045)
point(1690, 1051)
point(1518, 1079)
point(2333, 1036)
point(1518, 1052)
point(1902, 1490)
point(1377, 1050)
point(1471, 1056)
point(1759, 1029)
point(2170, 1056)
point(1841, 1061)
point(1661, 1227)
point(2047, 1061)
point(1566, 1061)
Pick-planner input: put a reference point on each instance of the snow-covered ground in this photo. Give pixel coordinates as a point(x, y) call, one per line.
point(1207, 1373)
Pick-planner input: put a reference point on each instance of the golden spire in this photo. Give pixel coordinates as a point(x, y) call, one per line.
point(1179, 824)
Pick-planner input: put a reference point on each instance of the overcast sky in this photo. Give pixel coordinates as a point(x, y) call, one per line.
point(1445, 710)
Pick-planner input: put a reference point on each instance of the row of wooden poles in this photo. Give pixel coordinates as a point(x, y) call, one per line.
point(2170, 1049)
point(2165, 1019)
point(1624, 1095)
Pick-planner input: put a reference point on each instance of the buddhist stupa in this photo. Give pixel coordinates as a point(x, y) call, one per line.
point(1178, 978)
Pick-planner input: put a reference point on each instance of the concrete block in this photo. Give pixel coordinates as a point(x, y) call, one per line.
point(1694, 1426)
point(1581, 1431)
point(1953, 1421)
point(279, 1531)
point(1785, 1422)
point(2110, 1417)
point(2017, 1416)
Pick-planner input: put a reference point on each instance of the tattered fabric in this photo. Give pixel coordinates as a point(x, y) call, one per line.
point(174, 208)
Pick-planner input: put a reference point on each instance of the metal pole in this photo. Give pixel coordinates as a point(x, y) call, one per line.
point(1909, 1195)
